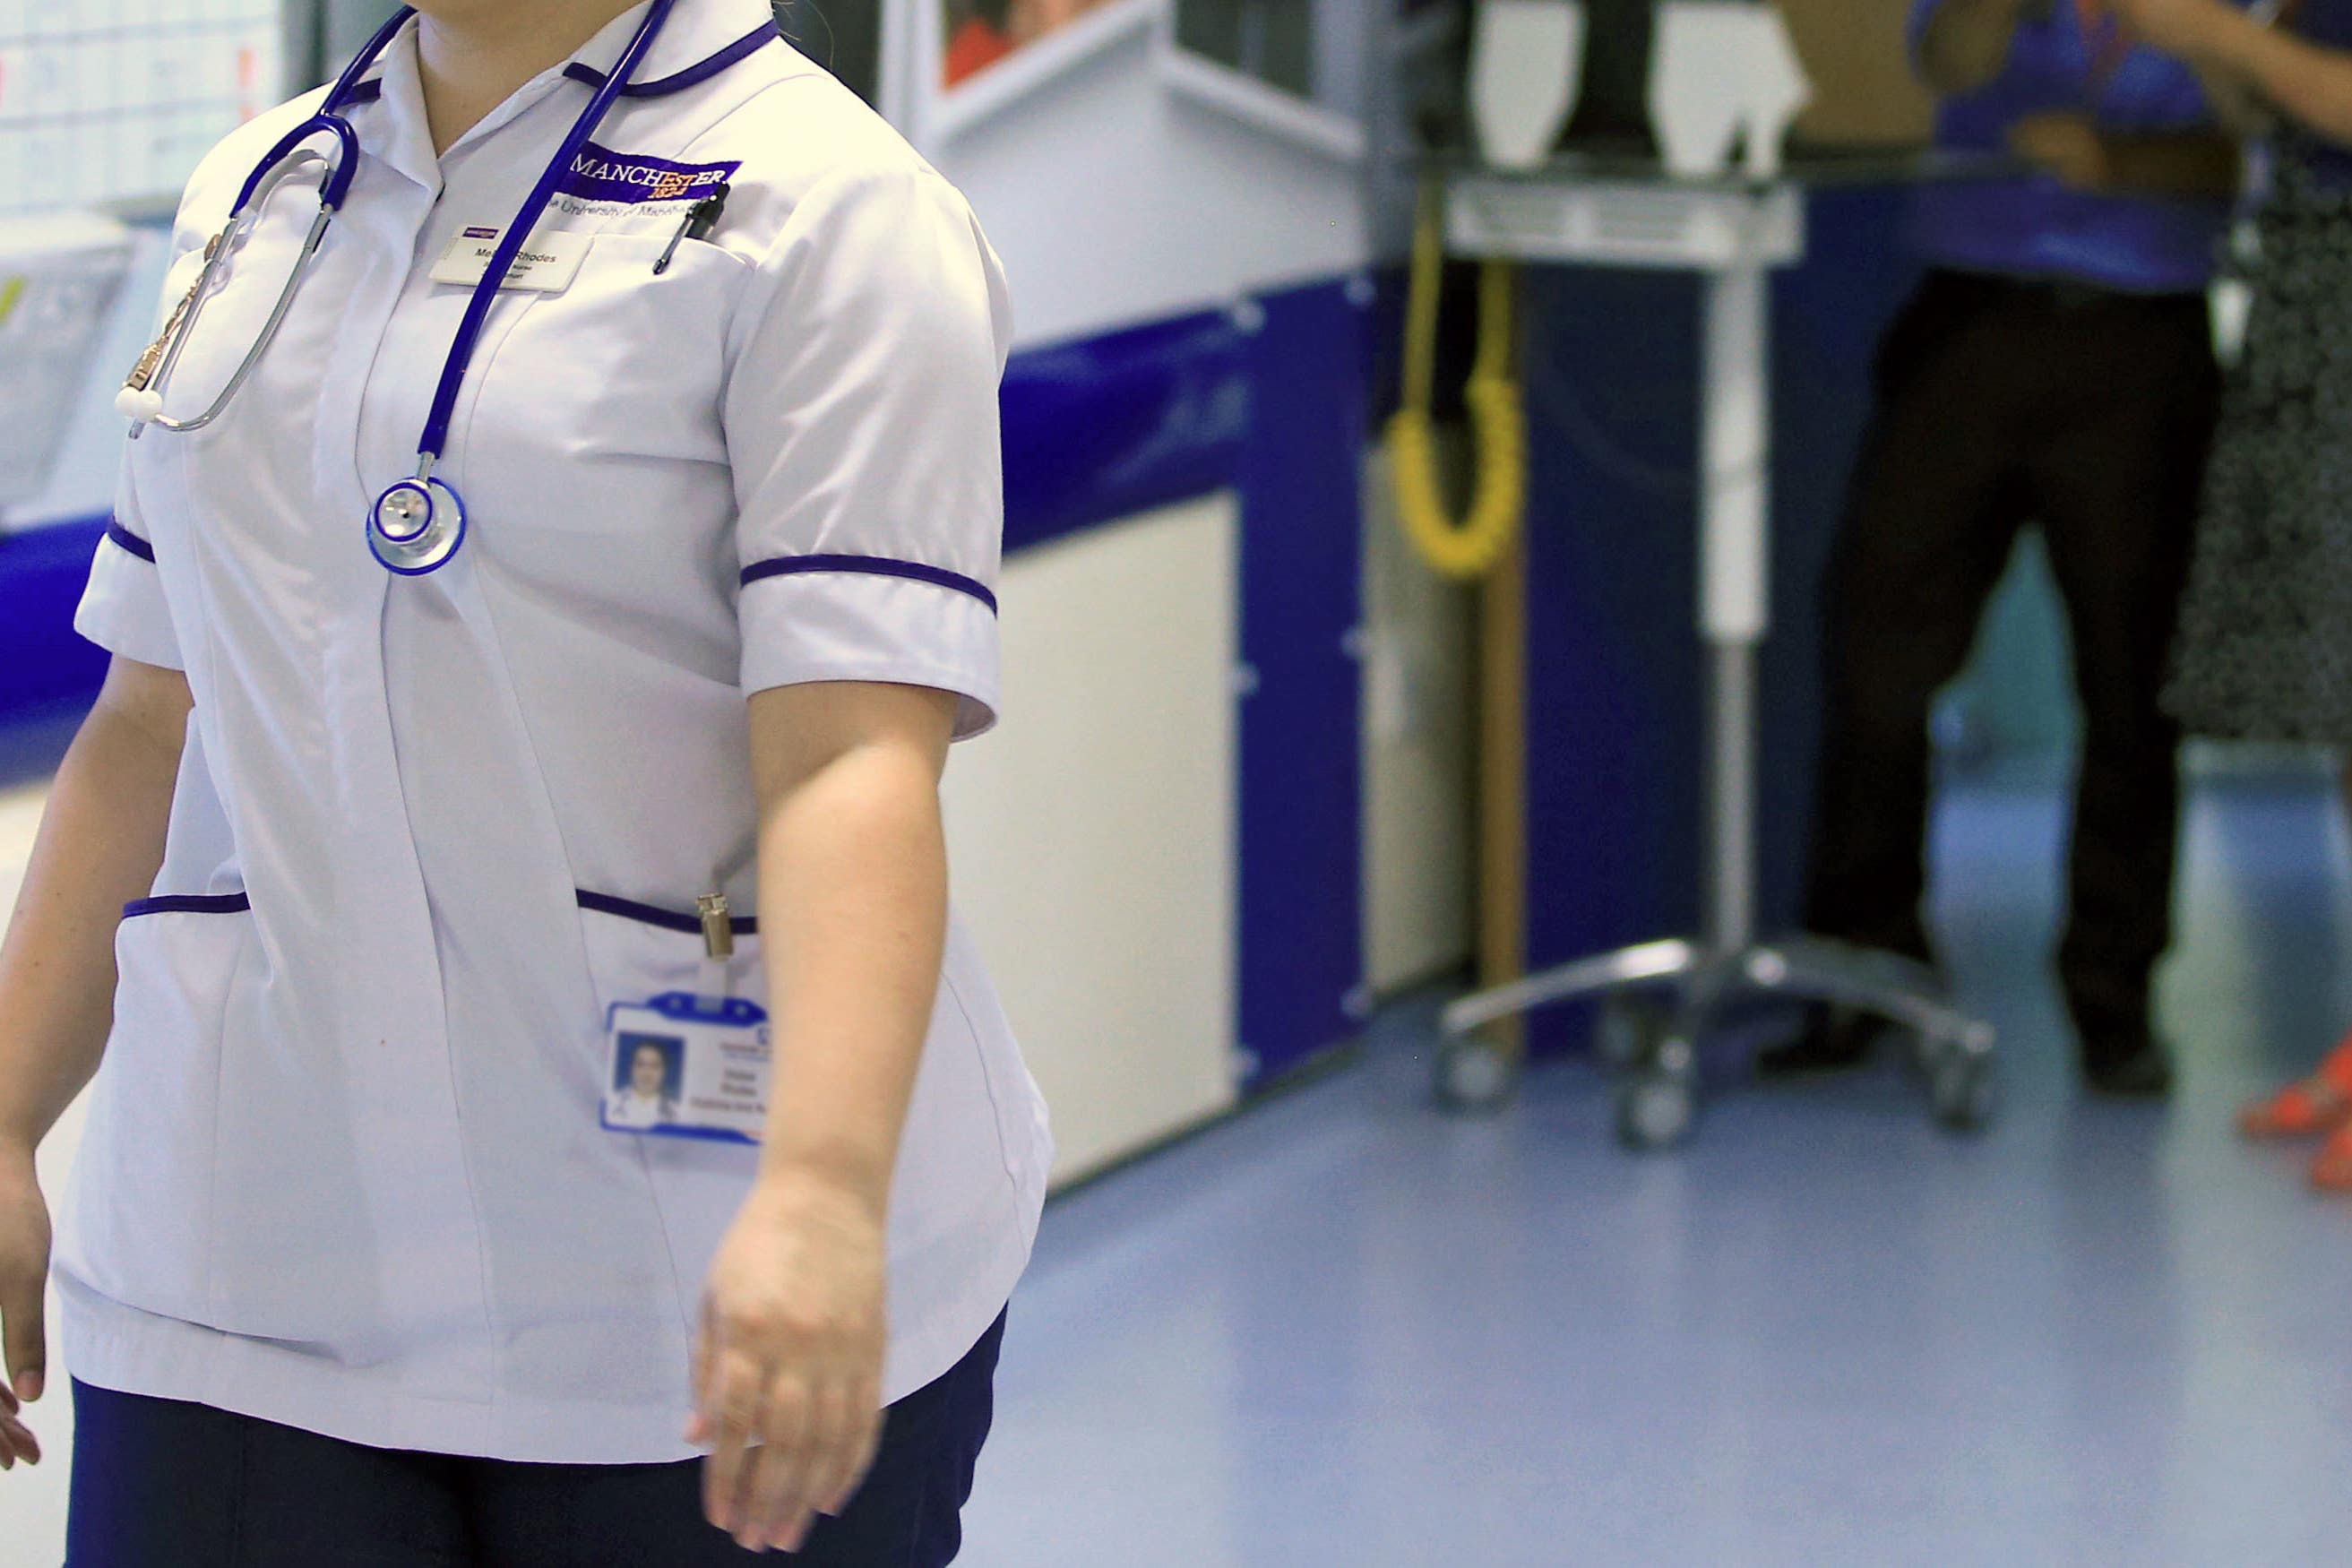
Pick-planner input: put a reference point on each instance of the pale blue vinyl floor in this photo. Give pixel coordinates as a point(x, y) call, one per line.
point(1343, 1329)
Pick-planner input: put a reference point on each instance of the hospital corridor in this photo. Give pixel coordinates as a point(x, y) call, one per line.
point(1175, 783)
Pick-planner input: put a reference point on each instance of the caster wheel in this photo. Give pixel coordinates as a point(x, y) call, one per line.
point(1474, 1074)
point(1626, 1032)
point(1656, 1111)
point(1963, 1091)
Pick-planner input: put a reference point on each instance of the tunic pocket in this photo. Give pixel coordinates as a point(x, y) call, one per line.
point(589, 398)
point(139, 1222)
point(635, 952)
point(228, 1145)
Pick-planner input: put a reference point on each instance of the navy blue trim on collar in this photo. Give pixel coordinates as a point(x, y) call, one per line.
point(742, 48)
point(871, 566)
point(648, 914)
point(129, 541)
point(214, 904)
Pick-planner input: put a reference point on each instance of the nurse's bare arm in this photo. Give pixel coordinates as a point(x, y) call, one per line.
point(1968, 41)
point(853, 898)
point(853, 913)
point(101, 843)
point(2303, 81)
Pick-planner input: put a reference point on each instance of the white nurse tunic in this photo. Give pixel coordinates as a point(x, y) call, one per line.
point(344, 1170)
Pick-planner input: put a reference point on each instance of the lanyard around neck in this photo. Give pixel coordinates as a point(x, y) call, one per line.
point(435, 441)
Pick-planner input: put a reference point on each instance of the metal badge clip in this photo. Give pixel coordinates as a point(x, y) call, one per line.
point(718, 926)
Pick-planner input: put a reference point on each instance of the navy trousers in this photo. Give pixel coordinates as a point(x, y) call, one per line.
point(158, 1482)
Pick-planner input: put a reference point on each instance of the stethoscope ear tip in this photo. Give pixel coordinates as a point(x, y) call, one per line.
point(139, 406)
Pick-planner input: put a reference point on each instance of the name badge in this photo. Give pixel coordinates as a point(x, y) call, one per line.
point(546, 265)
point(689, 1066)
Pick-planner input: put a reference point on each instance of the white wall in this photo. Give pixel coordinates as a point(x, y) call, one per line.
point(1116, 192)
point(1093, 835)
point(1420, 716)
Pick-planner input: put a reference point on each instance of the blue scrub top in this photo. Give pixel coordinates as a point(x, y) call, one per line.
point(2033, 226)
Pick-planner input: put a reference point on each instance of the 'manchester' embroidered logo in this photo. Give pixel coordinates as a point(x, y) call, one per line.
point(600, 175)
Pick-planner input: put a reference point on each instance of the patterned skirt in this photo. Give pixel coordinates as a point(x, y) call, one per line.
point(2264, 649)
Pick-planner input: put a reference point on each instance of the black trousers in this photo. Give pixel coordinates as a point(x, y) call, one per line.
point(1999, 404)
point(160, 1484)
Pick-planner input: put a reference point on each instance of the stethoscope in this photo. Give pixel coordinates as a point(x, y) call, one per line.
point(418, 525)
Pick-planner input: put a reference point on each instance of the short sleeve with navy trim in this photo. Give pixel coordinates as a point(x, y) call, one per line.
point(124, 609)
point(862, 423)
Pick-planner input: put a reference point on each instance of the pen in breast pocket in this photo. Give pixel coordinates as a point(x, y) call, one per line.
point(700, 219)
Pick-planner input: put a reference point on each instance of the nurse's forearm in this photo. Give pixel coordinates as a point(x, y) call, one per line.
point(101, 843)
point(853, 906)
point(2301, 80)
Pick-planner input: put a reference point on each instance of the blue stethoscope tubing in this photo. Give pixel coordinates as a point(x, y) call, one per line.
point(418, 525)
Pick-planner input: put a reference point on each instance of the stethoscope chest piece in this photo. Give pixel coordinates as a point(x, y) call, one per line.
point(416, 526)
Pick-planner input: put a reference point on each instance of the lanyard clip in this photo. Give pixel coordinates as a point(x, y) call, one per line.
point(718, 927)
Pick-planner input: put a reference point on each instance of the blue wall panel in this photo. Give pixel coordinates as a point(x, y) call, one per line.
point(1301, 786)
point(1616, 692)
point(1613, 668)
point(1106, 427)
point(42, 662)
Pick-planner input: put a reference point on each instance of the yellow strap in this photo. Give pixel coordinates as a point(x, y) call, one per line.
point(1470, 548)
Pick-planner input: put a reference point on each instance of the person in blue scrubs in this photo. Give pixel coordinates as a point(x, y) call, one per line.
point(2055, 367)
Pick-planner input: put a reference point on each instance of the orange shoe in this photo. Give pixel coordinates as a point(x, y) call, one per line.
point(2332, 1171)
point(2320, 1103)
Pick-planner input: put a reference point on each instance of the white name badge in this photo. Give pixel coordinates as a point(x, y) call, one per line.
point(548, 264)
point(687, 1067)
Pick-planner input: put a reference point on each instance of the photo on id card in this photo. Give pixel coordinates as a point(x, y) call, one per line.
point(687, 1067)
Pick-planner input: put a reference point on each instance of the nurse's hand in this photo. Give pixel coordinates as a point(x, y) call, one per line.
point(24, 1276)
point(788, 1375)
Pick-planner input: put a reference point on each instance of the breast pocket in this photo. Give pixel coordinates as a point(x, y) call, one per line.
point(593, 397)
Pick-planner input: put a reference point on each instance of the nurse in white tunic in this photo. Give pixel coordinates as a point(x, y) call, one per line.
point(355, 1268)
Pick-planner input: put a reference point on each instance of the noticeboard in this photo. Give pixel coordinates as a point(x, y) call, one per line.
point(109, 103)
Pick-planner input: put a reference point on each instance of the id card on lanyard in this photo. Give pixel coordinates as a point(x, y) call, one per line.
point(691, 1064)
